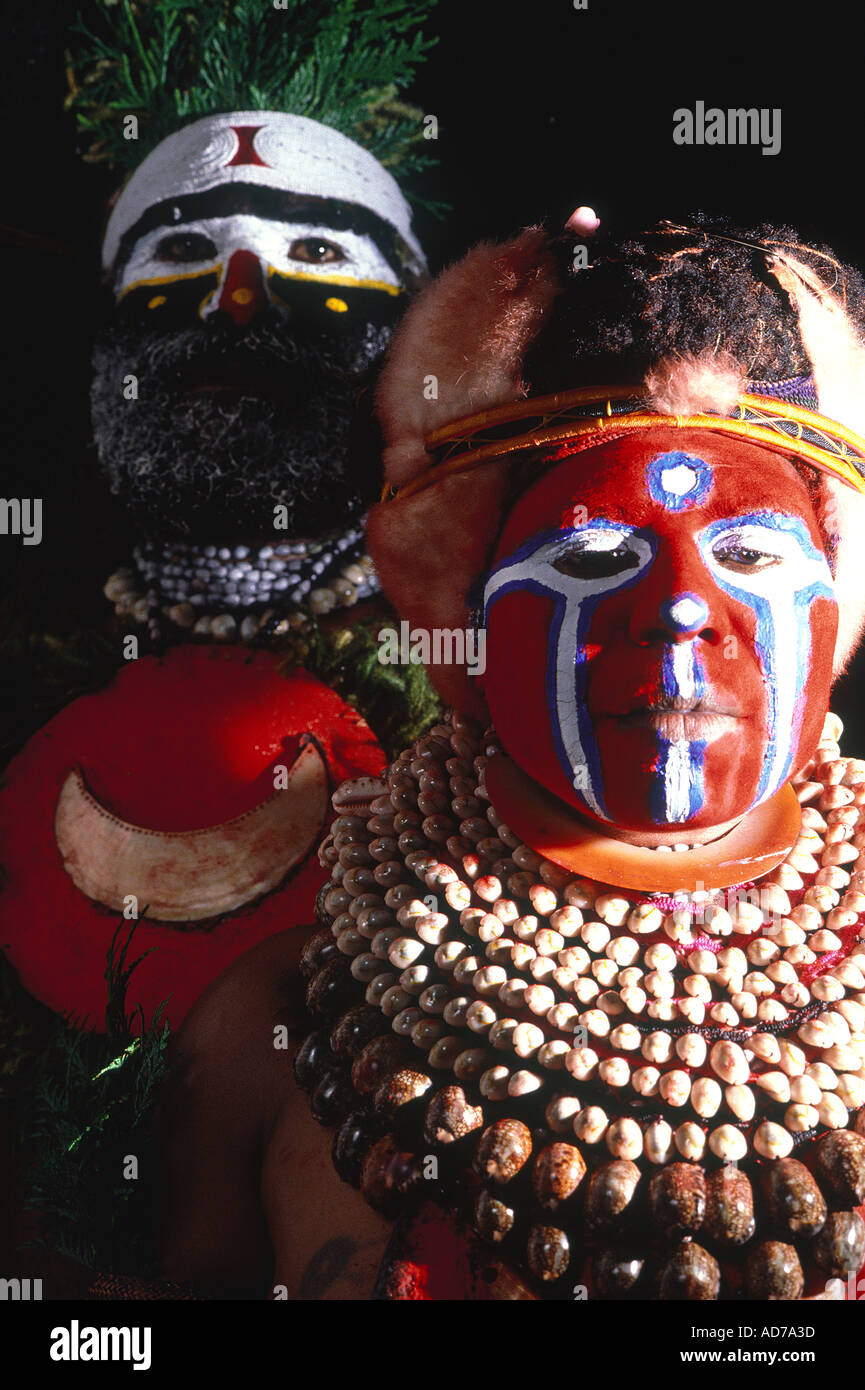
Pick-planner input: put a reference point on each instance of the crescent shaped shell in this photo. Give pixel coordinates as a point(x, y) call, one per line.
point(190, 875)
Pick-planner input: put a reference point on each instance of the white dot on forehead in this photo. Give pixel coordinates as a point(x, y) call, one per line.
point(679, 480)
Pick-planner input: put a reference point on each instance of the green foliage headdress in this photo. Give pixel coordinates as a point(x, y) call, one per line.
point(169, 62)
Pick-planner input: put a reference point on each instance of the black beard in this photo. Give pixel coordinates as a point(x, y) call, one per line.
point(190, 461)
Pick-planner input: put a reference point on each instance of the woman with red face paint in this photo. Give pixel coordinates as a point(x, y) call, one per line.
point(590, 986)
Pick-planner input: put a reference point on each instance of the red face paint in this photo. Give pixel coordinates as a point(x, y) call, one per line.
point(243, 294)
point(661, 627)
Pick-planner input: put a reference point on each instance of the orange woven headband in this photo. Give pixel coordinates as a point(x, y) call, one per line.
point(465, 444)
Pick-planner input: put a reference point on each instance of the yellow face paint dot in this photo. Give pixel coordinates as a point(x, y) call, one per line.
point(241, 296)
point(338, 306)
point(156, 301)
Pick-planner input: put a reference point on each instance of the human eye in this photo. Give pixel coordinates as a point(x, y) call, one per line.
point(743, 559)
point(596, 554)
point(749, 550)
point(183, 247)
point(316, 250)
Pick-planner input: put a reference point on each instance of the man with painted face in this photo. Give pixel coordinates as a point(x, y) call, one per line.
point(600, 959)
point(688, 643)
point(259, 261)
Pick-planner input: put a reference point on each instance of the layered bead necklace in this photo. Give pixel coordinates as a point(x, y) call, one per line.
point(597, 1069)
point(241, 592)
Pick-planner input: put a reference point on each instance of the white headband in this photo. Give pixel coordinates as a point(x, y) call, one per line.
point(275, 150)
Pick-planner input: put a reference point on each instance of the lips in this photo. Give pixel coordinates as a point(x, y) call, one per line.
point(694, 725)
point(239, 376)
point(676, 718)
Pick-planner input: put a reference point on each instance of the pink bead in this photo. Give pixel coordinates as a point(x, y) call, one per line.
point(583, 221)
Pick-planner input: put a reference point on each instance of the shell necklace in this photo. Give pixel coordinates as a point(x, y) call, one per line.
point(230, 593)
point(581, 1041)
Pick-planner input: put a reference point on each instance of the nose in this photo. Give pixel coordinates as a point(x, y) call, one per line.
point(675, 599)
point(243, 294)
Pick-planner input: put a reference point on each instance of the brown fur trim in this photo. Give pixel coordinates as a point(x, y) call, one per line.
point(429, 550)
point(710, 383)
point(837, 355)
point(465, 339)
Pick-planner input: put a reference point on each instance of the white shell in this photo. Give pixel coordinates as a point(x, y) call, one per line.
point(772, 1141)
point(690, 1140)
point(658, 1142)
point(728, 1143)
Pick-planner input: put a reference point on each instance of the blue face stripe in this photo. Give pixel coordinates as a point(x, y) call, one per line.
point(535, 586)
point(682, 676)
point(671, 685)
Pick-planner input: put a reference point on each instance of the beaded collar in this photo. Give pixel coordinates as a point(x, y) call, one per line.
point(226, 593)
point(587, 1062)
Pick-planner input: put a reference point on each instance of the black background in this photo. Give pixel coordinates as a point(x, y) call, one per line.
point(540, 107)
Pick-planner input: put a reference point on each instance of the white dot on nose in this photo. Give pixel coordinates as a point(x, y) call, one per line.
point(686, 612)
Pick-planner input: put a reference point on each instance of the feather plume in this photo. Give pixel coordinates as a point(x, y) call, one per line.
point(834, 347)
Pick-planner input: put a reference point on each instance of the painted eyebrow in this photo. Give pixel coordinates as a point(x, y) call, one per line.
point(567, 530)
point(776, 521)
point(780, 523)
point(558, 539)
point(796, 531)
point(270, 204)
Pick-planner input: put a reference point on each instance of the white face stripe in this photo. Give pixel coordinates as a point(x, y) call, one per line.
point(299, 156)
point(270, 241)
point(680, 762)
point(780, 595)
point(682, 664)
point(531, 567)
point(678, 773)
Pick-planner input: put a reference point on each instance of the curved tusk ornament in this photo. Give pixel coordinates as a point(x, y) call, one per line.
point(191, 875)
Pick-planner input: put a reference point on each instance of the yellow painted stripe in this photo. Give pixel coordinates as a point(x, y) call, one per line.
point(169, 280)
point(335, 280)
point(348, 280)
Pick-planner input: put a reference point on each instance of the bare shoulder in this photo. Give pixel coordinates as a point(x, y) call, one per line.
point(249, 1199)
point(221, 1098)
point(327, 1243)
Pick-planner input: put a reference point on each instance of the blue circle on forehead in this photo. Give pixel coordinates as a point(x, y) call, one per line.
point(678, 480)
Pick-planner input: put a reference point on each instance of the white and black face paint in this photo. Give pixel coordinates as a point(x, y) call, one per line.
point(272, 152)
point(260, 261)
point(241, 265)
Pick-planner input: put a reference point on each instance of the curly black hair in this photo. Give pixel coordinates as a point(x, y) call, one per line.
point(680, 289)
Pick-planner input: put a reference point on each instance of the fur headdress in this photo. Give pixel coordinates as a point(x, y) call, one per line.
point(691, 323)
